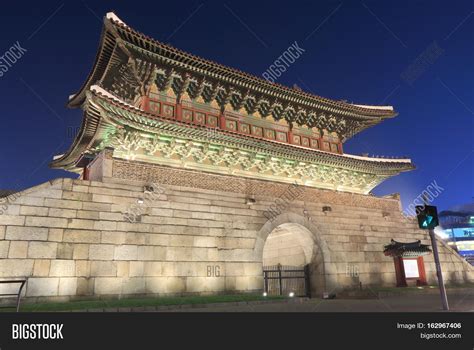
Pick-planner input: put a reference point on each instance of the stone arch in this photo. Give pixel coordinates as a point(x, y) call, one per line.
point(288, 244)
point(311, 239)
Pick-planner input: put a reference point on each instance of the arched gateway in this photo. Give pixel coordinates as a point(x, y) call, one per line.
point(292, 240)
point(187, 169)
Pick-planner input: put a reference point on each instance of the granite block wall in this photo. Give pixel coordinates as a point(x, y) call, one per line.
point(201, 234)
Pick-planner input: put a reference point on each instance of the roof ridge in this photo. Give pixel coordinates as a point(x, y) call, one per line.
point(114, 19)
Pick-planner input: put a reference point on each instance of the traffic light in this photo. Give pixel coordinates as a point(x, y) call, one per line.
point(427, 216)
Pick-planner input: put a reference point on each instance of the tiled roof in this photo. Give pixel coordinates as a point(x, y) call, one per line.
point(114, 27)
point(406, 250)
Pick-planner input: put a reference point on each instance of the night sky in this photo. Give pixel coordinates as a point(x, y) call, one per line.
point(363, 52)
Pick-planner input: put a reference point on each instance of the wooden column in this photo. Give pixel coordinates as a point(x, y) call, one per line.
point(145, 103)
point(85, 173)
point(221, 121)
point(290, 134)
point(400, 272)
point(421, 272)
point(178, 110)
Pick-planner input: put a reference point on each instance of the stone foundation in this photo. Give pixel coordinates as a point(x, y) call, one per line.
point(201, 235)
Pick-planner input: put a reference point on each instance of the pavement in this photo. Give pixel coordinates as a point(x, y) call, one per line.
point(462, 302)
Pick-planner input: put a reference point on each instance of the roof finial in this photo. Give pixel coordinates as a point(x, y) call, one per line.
point(113, 17)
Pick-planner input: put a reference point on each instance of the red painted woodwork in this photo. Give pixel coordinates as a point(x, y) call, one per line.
point(145, 103)
point(221, 121)
point(290, 136)
point(421, 270)
point(340, 147)
point(400, 272)
point(178, 111)
point(85, 173)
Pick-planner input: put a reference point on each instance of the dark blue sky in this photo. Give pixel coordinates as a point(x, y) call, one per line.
point(354, 51)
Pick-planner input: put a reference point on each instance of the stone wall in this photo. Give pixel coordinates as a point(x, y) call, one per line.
point(202, 235)
point(284, 248)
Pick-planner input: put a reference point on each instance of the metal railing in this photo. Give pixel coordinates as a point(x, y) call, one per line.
point(17, 295)
point(282, 280)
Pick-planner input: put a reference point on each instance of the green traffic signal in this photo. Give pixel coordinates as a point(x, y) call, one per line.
point(427, 216)
point(427, 221)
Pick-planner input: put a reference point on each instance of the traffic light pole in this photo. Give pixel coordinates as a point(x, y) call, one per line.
point(439, 273)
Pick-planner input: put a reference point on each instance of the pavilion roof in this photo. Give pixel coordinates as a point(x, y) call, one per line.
point(101, 103)
point(130, 65)
point(120, 42)
point(406, 250)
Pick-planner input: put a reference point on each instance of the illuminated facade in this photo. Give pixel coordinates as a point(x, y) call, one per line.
point(225, 173)
point(153, 103)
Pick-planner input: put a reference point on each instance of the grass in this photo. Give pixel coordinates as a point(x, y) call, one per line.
point(400, 290)
point(412, 289)
point(142, 302)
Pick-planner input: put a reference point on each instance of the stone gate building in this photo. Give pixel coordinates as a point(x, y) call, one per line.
point(193, 175)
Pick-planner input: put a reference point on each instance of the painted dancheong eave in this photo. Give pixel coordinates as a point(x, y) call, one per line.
point(175, 143)
point(118, 38)
point(183, 111)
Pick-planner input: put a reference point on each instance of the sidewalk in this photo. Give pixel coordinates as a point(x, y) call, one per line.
point(191, 307)
point(407, 303)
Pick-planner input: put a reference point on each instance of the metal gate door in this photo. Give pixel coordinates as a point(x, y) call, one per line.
point(283, 280)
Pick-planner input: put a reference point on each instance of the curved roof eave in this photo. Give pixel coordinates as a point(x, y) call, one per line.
point(98, 69)
point(91, 123)
point(112, 24)
point(98, 93)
